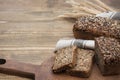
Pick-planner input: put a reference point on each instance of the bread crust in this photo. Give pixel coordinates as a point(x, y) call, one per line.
point(89, 27)
point(65, 65)
point(107, 55)
point(84, 64)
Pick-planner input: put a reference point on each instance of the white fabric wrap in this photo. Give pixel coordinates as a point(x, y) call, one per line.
point(89, 44)
point(64, 43)
point(111, 15)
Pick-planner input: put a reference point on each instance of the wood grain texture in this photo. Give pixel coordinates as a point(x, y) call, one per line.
point(29, 32)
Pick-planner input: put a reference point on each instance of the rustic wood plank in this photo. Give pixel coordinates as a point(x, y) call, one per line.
point(21, 5)
point(28, 40)
point(27, 56)
point(11, 77)
point(40, 26)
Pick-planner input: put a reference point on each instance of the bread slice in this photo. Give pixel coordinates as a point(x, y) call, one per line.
point(65, 59)
point(84, 63)
point(89, 27)
point(107, 55)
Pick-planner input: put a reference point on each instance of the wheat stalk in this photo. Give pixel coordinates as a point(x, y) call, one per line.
point(73, 15)
point(85, 8)
point(94, 6)
point(101, 4)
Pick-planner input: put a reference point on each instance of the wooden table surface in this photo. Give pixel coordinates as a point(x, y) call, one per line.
point(28, 31)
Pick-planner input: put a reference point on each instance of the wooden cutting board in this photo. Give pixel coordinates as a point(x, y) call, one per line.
point(46, 73)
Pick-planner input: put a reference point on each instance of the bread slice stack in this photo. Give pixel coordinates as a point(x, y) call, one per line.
point(74, 61)
point(78, 62)
point(106, 33)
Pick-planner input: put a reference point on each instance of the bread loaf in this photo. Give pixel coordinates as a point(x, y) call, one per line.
point(65, 59)
point(89, 27)
point(84, 63)
point(107, 55)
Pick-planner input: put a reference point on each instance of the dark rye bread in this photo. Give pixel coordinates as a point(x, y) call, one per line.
point(84, 63)
point(89, 27)
point(107, 55)
point(65, 59)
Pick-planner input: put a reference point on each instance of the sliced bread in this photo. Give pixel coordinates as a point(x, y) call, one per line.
point(65, 59)
point(107, 55)
point(84, 63)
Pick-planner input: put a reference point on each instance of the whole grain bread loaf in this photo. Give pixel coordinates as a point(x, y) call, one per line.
point(107, 55)
point(65, 59)
point(88, 27)
point(84, 63)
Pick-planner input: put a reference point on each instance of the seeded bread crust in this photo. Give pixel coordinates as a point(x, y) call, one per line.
point(65, 59)
point(89, 27)
point(84, 63)
point(107, 55)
